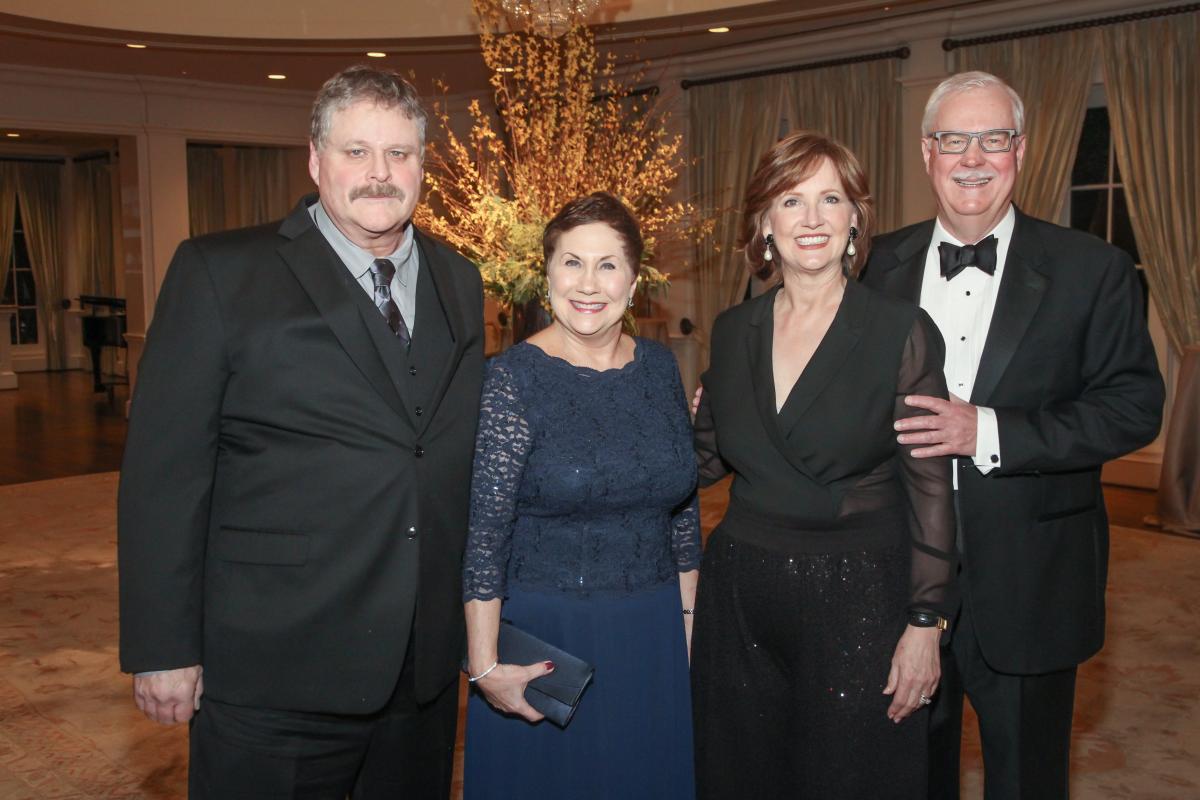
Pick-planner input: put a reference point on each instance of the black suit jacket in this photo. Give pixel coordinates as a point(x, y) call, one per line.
point(1069, 367)
point(286, 515)
point(830, 453)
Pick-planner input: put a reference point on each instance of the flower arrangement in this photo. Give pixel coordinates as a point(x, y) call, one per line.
point(568, 126)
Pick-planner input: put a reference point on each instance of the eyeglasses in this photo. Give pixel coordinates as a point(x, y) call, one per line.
point(957, 142)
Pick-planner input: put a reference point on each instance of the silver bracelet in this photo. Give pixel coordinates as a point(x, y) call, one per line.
point(472, 678)
point(689, 611)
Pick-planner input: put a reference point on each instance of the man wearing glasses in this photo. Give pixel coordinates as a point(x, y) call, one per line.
point(1051, 373)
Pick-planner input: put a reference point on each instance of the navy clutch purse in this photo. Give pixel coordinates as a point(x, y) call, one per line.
point(557, 694)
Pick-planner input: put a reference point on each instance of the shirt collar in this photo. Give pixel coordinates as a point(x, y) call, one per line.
point(1003, 232)
point(356, 259)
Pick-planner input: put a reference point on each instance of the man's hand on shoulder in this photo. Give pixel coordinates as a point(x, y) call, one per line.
point(170, 696)
point(948, 430)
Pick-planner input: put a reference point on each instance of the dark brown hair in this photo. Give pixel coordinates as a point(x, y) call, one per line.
point(792, 160)
point(596, 207)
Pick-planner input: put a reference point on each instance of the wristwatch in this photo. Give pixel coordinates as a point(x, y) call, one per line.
point(925, 619)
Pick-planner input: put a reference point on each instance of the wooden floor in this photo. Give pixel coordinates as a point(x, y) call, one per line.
point(54, 426)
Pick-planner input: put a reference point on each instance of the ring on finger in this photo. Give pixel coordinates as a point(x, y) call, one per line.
point(925, 700)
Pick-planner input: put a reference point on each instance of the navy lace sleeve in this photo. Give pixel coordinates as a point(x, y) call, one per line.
point(501, 447)
point(685, 522)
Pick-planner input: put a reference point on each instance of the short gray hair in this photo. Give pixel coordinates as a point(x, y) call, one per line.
point(965, 82)
point(354, 84)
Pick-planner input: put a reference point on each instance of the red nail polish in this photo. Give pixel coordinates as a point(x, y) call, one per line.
point(549, 665)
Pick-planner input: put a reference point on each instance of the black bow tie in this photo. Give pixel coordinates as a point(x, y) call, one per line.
point(955, 259)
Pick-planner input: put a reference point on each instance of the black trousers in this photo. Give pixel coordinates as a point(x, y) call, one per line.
point(1024, 724)
point(404, 751)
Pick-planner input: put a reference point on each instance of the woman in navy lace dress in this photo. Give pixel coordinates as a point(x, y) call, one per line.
point(585, 533)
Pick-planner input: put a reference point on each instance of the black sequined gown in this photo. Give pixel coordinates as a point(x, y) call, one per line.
point(833, 532)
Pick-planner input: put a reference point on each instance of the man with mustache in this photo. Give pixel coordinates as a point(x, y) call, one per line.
point(1051, 373)
point(294, 497)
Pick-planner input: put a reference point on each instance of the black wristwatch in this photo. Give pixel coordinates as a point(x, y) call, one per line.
point(925, 619)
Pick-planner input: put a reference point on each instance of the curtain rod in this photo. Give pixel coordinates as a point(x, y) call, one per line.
point(33, 159)
point(954, 44)
point(899, 52)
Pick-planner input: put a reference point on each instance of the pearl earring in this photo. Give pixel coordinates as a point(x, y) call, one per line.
point(767, 254)
point(851, 250)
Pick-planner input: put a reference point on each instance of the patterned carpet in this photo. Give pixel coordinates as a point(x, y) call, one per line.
point(68, 727)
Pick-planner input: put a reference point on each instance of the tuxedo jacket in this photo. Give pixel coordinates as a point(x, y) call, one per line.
point(294, 494)
point(1069, 367)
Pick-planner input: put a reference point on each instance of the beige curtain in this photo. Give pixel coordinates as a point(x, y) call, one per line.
point(39, 190)
point(1053, 74)
point(206, 190)
point(732, 125)
point(8, 212)
point(1152, 72)
point(93, 226)
point(260, 185)
point(859, 105)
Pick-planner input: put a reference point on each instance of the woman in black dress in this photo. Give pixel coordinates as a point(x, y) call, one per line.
point(825, 589)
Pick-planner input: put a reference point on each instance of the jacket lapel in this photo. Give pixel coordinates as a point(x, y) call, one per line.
point(332, 290)
point(443, 282)
point(758, 355)
point(829, 357)
point(904, 271)
point(1022, 286)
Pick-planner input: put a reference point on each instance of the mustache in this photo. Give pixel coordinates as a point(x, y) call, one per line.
point(379, 190)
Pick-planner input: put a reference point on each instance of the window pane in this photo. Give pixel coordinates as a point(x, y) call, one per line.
point(26, 292)
point(7, 298)
point(1091, 162)
point(1089, 211)
point(1122, 233)
point(12, 329)
point(27, 322)
point(20, 252)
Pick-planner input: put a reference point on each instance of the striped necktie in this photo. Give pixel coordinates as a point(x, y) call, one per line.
point(381, 272)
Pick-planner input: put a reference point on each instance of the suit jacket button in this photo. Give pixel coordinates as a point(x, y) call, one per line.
point(412, 532)
point(418, 451)
point(412, 370)
point(419, 411)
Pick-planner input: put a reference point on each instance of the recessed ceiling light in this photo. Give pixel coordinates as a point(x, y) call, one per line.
point(275, 76)
point(719, 29)
point(13, 135)
point(377, 54)
point(135, 46)
point(506, 69)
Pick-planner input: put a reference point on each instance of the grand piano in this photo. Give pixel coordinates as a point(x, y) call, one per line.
point(103, 327)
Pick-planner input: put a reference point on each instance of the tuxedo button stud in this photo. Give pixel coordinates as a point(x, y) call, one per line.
point(995, 459)
point(418, 451)
point(411, 533)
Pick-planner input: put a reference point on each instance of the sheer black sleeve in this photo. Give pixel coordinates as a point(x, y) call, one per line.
point(704, 439)
point(927, 481)
point(501, 449)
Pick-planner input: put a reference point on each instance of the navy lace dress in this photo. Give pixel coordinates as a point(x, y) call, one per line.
point(583, 513)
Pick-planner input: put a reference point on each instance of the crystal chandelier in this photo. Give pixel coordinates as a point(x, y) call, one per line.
point(549, 17)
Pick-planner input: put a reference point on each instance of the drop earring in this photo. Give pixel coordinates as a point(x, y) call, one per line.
point(767, 254)
point(630, 302)
point(851, 250)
